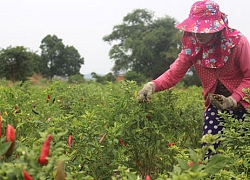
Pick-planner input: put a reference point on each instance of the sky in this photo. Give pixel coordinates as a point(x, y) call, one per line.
point(84, 23)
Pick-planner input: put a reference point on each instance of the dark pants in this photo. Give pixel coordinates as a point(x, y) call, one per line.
point(213, 125)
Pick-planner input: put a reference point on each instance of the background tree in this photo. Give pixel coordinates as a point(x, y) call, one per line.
point(73, 61)
point(76, 79)
point(18, 63)
point(135, 76)
point(58, 59)
point(109, 77)
point(191, 78)
point(144, 44)
point(97, 77)
point(102, 79)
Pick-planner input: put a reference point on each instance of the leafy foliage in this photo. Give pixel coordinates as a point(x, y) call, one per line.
point(114, 136)
point(18, 63)
point(58, 59)
point(135, 76)
point(191, 78)
point(103, 79)
point(76, 79)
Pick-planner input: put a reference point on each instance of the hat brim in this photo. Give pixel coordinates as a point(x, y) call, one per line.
point(201, 26)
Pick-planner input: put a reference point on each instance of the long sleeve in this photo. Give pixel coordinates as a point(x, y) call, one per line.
point(173, 75)
point(243, 61)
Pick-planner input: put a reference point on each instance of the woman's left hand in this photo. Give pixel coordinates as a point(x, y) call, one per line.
point(222, 102)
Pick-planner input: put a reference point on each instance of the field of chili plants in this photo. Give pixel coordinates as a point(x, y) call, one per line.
point(93, 131)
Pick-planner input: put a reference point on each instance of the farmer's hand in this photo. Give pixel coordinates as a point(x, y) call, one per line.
point(145, 94)
point(222, 102)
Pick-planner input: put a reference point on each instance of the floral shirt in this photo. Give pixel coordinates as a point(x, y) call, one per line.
point(234, 74)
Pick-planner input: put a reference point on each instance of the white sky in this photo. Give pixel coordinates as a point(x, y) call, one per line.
point(83, 23)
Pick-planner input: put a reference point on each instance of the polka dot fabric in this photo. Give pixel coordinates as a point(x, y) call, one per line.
point(213, 124)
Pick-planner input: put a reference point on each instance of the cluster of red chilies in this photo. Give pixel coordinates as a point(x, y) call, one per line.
point(11, 137)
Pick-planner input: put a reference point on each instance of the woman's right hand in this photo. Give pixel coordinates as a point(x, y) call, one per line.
point(145, 94)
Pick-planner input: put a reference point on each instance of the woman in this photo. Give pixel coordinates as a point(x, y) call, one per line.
point(221, 57)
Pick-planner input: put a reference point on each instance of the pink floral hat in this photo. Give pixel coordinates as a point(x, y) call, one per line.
point(205, 17)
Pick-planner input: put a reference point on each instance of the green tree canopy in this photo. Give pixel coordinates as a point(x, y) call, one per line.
point(135, 76)
point(191, 78)
point(18, 63)
point(144, 44)
point(58, 59)
point(102, 79)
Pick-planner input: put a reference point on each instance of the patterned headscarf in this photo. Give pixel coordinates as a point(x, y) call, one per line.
point(206, 17)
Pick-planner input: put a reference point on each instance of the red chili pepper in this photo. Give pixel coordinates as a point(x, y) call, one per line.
point(103, 137)
point(0, 124)
point(45, 150)
point(122, 143)
point(147, 177)
point(148, 117)
point(70, 138)
point(190, 164)
point(10, 133)
point(48, 98)
point(26, 175)
point(171, 144)
point(10, 137)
